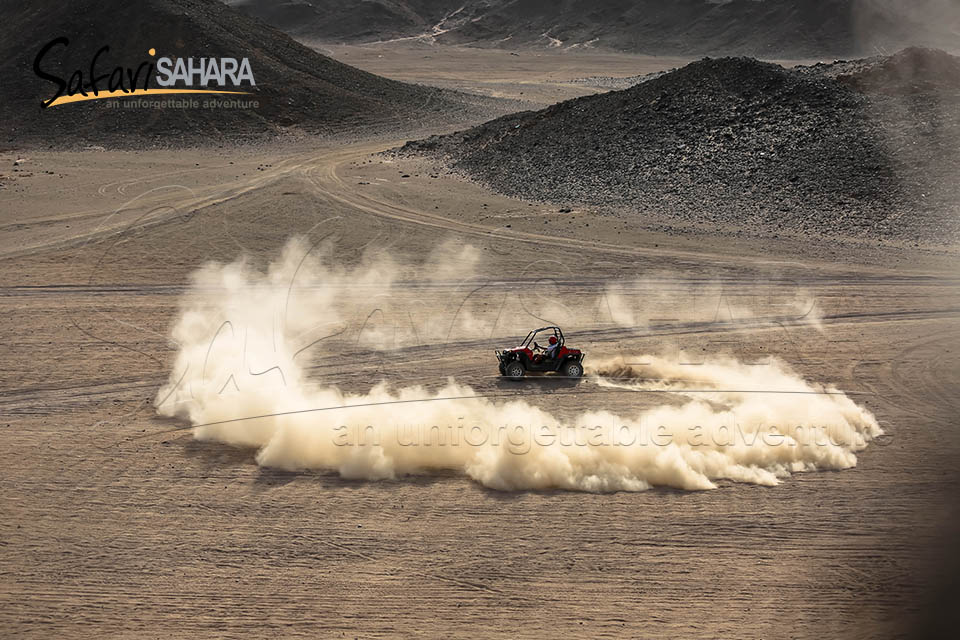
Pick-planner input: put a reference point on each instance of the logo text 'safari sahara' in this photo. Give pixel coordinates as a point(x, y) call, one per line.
point(171, 75)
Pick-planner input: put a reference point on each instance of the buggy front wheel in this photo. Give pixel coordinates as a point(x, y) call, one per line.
point(515, 370)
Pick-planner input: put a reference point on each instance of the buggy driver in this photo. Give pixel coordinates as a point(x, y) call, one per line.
point(551, 350)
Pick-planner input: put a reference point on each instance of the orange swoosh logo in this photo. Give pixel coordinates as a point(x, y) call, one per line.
point(119, 93)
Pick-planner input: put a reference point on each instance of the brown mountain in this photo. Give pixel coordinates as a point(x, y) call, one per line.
point(759, 28)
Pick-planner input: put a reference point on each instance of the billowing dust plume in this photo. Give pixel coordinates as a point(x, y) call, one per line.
point(248, 338)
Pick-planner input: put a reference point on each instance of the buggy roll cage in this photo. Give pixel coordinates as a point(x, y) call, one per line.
point(556, 331)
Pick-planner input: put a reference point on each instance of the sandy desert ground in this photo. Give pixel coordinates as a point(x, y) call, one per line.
point(118, 522)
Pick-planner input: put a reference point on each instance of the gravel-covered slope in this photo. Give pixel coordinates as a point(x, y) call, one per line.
point(733, 141)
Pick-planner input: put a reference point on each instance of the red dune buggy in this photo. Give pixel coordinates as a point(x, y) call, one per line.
point(552, 357)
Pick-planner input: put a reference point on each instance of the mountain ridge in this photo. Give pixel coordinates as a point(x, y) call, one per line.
point(758, 28)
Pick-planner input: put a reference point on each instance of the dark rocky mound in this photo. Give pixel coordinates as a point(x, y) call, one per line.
point(787, 28)
point(297, 89)
point(731, 141)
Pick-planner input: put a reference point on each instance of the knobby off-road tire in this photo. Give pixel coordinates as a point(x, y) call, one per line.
point(572, 369)
point(515, 370)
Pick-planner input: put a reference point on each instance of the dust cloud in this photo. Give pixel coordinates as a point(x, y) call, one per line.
point(245, 340)
point(882, 26)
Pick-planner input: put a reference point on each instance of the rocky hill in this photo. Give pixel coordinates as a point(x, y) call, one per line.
point(738, 142)
point(296, 88)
